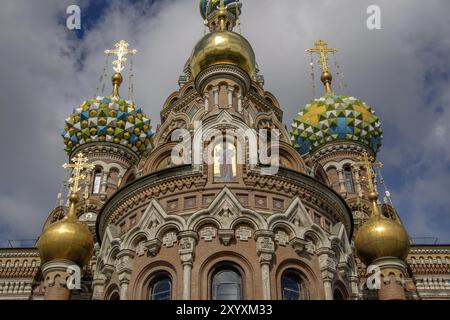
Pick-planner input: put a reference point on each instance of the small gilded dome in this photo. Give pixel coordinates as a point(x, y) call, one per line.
point(67, 239)
point(333, 118)
point(108, 119)
point(381, 237)
point(223, 47)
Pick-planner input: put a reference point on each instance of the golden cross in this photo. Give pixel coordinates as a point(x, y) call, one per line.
point(121, 52)
point(321, 48)
point(80, 164)
point(368, 163)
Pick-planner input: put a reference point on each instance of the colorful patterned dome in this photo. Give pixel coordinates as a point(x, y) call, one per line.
point(108, 119)
point(208, 6)
point(333, 118)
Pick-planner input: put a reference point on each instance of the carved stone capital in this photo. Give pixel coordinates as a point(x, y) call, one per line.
point(226, 235)
point(153, 246)
point(188, 240)
point(107, 270)
point(264, 242)
point(299, 245)
point(187, 259)
point(265, 258)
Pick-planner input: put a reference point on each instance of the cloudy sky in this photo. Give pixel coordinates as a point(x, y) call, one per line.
point(402, 70)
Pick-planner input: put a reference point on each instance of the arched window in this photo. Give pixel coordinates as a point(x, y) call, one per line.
point(97, 181)
point(114, 296)
point(348, 176)
point(337, 295)
point(226, 284)
point(225, 162)
point(292, 286)
point(161, 288)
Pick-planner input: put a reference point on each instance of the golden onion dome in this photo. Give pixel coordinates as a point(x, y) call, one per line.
point(223, 48)
point(68, 239)
point(381, 237)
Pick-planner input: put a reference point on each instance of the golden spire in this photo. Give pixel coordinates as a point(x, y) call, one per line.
point(121, 52)
point(80, 166)
point(368, 163)
point(321, 48)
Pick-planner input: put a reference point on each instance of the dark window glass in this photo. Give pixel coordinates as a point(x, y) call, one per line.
point(162, 289)
point(227, 285)
point(349, 180)
point(338, 295)
point(292, 287)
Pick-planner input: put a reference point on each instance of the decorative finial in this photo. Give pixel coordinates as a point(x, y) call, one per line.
point(121, 52)
point(368, 163)
point(80, 166)
point(222, 14)
point(321, 48)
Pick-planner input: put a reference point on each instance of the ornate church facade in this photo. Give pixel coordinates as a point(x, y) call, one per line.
point(221, 201)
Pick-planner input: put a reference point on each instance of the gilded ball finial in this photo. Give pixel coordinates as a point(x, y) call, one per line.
point(373, 196)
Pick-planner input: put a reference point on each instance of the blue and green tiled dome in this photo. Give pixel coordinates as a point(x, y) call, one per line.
point(334, 118)
point(208, 6)
point(108, 119)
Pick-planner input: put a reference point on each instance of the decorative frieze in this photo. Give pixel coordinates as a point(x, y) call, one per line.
point(208, 233)
point(243, 233)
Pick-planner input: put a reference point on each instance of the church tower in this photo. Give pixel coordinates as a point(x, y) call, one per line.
point(333, 132)
point(113, 133)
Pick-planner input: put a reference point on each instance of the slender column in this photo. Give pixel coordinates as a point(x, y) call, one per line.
point(230, 97)
point(216, 96)
point(124, 269)
point(98, 284)
point(187, 262)
point(240, 103)
point(327, 269)
point(265, 248)
point(104, 182)
point(188, 240)
point(341, 180)
point(206, 99)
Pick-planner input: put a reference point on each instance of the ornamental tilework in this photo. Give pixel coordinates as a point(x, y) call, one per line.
point(108, 119)
point(333, 118)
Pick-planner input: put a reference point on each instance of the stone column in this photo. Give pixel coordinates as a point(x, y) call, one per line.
point(340, 173)
point(124, 268)
point(216, 96)
point(57, 272)
point(239, 103)
point(104, 182)
point(328, 270)
point(230, 97)
point(188, 240)
point(265, 248)
point(206, 99)
point(98, 286)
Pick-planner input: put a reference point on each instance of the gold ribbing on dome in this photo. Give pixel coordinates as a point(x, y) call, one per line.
point(121, 51)
point(69, 239)
point(321, 48)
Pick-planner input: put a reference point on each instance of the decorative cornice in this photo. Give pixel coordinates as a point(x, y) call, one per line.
point(109, 150)
point(344, 146)
point(223, 72)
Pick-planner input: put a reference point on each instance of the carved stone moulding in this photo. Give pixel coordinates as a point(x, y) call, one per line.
point(223, 72)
